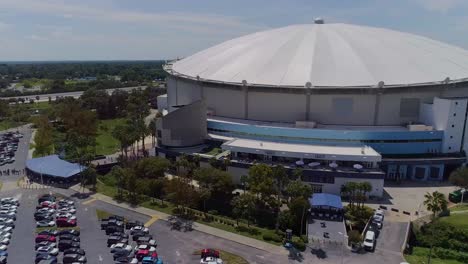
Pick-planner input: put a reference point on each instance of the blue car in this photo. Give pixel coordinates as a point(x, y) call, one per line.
point(151, 260)
point(3, 253)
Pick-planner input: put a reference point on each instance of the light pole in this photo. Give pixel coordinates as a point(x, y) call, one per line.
point(342, 246)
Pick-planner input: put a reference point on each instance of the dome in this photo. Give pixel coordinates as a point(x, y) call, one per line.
point(328, 55)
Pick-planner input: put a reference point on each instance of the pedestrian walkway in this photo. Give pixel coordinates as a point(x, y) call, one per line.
point(24, 183)
point(196, 226)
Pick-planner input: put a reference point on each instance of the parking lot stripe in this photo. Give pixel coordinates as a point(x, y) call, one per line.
point(89, 201)
point(151, 221)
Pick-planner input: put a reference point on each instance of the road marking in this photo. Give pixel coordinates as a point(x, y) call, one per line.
point(177, 253)
point(100, 258)
point(89, 201)
point(260, 256)
point(151, 221)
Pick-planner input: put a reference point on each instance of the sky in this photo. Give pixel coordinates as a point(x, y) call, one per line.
point(167, 29)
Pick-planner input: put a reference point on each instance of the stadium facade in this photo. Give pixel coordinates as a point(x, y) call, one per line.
point(343, 102)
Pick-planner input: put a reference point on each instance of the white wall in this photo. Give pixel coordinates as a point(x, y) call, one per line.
point(162, 102)
point(282, 107)
point(224, 102)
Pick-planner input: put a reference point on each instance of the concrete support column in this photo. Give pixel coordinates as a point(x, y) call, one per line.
point(380, 87)
point(308, 86)
point(200, 86)
point(245, 89)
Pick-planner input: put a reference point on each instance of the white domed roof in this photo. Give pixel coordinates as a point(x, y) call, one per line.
point(333, 55)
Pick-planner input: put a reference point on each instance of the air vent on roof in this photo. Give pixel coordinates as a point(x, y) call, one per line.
point(319, 20)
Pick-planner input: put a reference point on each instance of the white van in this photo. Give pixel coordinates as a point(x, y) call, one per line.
point(369, 241)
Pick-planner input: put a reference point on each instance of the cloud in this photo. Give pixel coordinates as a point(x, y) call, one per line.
point(169, 19)
point(4, 26)
point(36, 37)
point(442, 6)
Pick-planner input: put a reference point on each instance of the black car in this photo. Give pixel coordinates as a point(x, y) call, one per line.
point(3, 260)
point(74, 232)
point(117, 217)
point(121, 234)
point(136, 235)
point(125, 259)
point(121, 253)
point(49, 232)
point(43, 216)
point(103, 224)
point(113, 229)
point(41, 257)
point(74, 258)
point(116, 239)
point(131, 224)
point(78, 251)
point(46, 197)
point(66, 244)
point(69, 237)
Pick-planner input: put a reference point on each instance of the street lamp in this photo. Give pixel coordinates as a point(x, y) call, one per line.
point(342, 246)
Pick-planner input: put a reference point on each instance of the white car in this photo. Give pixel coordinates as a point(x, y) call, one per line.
point(46, 210)
point(211, 260)
point(369, 241)
point(5, 234)
point(9, 200)
point(3, 247)
point(8, 207)
point(139, 228)
point(4, 240)
point(67, 202)
point(45, 223)
point(120, 246)
point(70, 210)
point(66, 215)
point(380, 213)
point(49, 250)
point(7, 229)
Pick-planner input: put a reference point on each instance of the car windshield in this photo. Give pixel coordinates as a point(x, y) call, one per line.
point(368, 240)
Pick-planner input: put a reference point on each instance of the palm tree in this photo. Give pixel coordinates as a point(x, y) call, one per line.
point(435, 202)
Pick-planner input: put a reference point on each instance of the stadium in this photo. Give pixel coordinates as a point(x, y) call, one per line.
point(351, 101)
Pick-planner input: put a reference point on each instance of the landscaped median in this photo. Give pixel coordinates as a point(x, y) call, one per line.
point(447, 235)
point(227, 257)
point(230, 225)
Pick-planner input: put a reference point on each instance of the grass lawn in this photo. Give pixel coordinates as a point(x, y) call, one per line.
point(102, 214)
point(106, 143)
point(7, 124)
point(258, 233)
point(420, 255)
point(459, 220)
point(227, 257)
point(459, 207)
point(214, 151)
point(39, 229)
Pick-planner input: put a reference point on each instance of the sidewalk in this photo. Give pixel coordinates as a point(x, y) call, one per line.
point(197, 226)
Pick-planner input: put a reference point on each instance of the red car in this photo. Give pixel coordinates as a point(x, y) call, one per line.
point(208, 252)
point(65, 222)
point(49, 204)
point(40, 238)
point(141, 253)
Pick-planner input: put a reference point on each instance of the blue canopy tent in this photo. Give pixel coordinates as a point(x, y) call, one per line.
point(52, 168)
point(325, 205)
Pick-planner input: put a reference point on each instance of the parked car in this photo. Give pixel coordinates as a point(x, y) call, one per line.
point(50, 232)
point(48, 250)
point(120, 246)
point(136, 235)
point(45, 244)
point(208, 252)
point(45, 223)
point(3, 260)
point(69, 237)
point(74, 232)
point(74, 258)
point(42, 257)
point(369, 241)
point(65, 222)
point(78, 251)
point(151, 260)
point(139, 229)
point(146, 240)
point(66, 244)
point(40, 238)
point(131, 224)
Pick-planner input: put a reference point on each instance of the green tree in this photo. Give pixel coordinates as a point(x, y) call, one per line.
point(281, 179)
point(435, 202)
point(89, 176)
point(181, 193)
point(157, 188)
point(215, 187)
point(244, 207)
point(151, 167)
point(131, 184)
point(286, 220)
point(298, 189)
point(123, 134)
point(261, 180)
point(119, 175)
point(459, 178)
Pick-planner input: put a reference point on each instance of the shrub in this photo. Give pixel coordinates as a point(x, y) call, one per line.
point(298, 244)
point(213, 212)
point(305, 239)
point(354, 237)
point(267, 237)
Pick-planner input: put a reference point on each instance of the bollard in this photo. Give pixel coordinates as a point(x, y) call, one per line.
point(395, 210)
point(406, 213)
point(383, 207)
